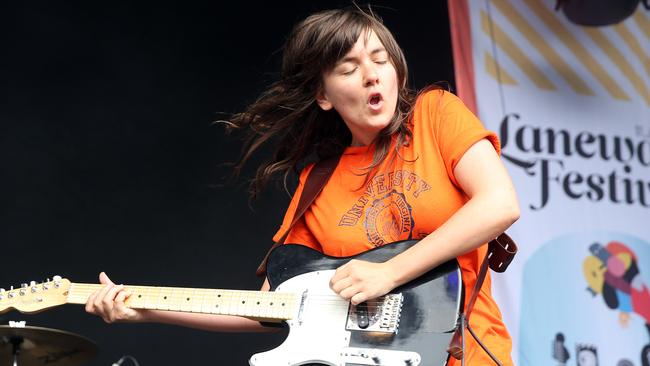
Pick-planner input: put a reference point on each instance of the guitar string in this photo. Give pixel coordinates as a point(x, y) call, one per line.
point(183, 292)
point(226, 295)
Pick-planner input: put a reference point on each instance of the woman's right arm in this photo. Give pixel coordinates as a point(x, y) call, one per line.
point(108, 303)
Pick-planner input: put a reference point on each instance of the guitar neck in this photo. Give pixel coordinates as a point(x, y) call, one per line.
point(257, 305)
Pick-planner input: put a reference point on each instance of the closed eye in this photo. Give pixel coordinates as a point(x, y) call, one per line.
point(350, 72)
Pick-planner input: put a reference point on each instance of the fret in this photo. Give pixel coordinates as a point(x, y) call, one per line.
point(135, 300)
point(148, 297)
point(217, 307)
point(197, 298)
point(170, 299)
point(197, 304)
point(208, 302)
point(248, 309)
point(233, 303)
point(243, 303)
point(186, 297)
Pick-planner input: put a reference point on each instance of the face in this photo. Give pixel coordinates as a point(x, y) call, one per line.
point(587, 358)
point(362, 87)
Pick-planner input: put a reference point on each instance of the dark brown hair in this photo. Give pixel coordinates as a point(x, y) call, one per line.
point(287, 111)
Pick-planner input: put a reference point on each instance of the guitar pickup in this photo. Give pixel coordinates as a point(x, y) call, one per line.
point(379, 315)
point(374, 356)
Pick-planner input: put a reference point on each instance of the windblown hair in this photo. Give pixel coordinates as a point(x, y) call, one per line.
point(287, 111)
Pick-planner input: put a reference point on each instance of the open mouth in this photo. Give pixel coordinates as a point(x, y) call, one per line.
point(375, 99)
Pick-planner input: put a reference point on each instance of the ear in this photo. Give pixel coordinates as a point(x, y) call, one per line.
point(323, 102)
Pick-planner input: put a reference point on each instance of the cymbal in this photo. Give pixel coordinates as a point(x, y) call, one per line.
point(44, 346)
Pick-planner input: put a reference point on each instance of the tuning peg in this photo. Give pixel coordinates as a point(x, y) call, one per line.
point(48, 279)
point(23, 285)
point(2, 290)
point(56, 278)
point(32, 283)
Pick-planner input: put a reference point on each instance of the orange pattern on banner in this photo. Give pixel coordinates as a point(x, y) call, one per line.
point(619, 60)
point(519, 57)
point(538, 42)
point(497, 72)
point(642, 22)
point(634, 45)
point(578, 49)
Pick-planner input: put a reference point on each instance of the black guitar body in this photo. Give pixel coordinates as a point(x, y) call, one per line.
point(430, 309)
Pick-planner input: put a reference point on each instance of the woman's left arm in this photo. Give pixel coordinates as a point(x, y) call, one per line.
point(491, 208)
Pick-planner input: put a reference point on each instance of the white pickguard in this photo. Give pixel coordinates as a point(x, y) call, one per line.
point(317, 334)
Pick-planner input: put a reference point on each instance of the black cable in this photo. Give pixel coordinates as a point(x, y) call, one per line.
point(121, 360)
point(493, 357)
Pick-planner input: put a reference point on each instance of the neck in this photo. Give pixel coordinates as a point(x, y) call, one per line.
point(256, 305)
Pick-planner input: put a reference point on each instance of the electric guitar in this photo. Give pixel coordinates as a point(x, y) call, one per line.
point(412, 325)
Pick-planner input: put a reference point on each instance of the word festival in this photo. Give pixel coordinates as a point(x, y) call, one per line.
point(545, 153)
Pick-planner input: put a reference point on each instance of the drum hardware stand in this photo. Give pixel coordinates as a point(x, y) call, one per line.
point(16, 341)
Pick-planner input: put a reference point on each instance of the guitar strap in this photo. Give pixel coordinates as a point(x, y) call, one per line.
point(314, 184)
point(500, 253)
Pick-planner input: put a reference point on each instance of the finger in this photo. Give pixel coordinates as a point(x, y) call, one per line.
point(90, 303)
point(121, 310)
point(358, 298)
point(121, 296)
point(341, 284)
point(348, 292)
point(339, 274)
point(109, 298)
point(101, 294)
point(103, 278)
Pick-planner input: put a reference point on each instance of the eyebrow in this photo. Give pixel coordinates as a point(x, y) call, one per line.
point(353, 58)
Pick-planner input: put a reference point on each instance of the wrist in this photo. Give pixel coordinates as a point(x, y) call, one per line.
point(394, 273)
point(143, 316)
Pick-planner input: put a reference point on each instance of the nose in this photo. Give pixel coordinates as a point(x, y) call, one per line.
point(371, 77)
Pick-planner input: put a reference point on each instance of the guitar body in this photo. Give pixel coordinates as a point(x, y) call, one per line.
point(410, 326)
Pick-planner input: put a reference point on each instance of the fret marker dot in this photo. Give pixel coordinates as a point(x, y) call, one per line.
point(165, 297)
point(243, 302)
point(139, 296)
point(188, 299)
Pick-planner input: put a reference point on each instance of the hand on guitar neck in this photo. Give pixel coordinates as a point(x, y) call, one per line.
point(111, 303)
point(108, 303)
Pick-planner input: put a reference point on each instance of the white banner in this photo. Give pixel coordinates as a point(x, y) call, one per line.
point(571, 106)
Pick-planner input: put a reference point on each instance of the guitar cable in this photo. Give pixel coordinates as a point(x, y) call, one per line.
point(462, 337)
point(125, 357)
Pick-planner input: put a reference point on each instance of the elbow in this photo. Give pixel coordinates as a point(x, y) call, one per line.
point(510, 213)
point(513, 214)
point(507, 209)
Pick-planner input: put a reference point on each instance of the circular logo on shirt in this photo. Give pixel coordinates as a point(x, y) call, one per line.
point(389, 219)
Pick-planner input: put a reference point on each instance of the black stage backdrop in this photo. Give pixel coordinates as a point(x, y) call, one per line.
point(109, 159)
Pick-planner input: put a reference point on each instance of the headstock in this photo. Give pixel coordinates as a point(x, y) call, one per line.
point(33, 297)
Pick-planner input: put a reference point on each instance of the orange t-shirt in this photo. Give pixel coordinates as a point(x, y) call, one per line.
point(406, 199)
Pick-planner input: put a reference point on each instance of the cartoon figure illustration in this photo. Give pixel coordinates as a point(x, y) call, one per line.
point(586, 355)
point(645, 355)
point(560, 352)
point(613, 272)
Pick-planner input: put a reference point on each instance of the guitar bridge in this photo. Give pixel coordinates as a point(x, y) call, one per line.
point(379, 315)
